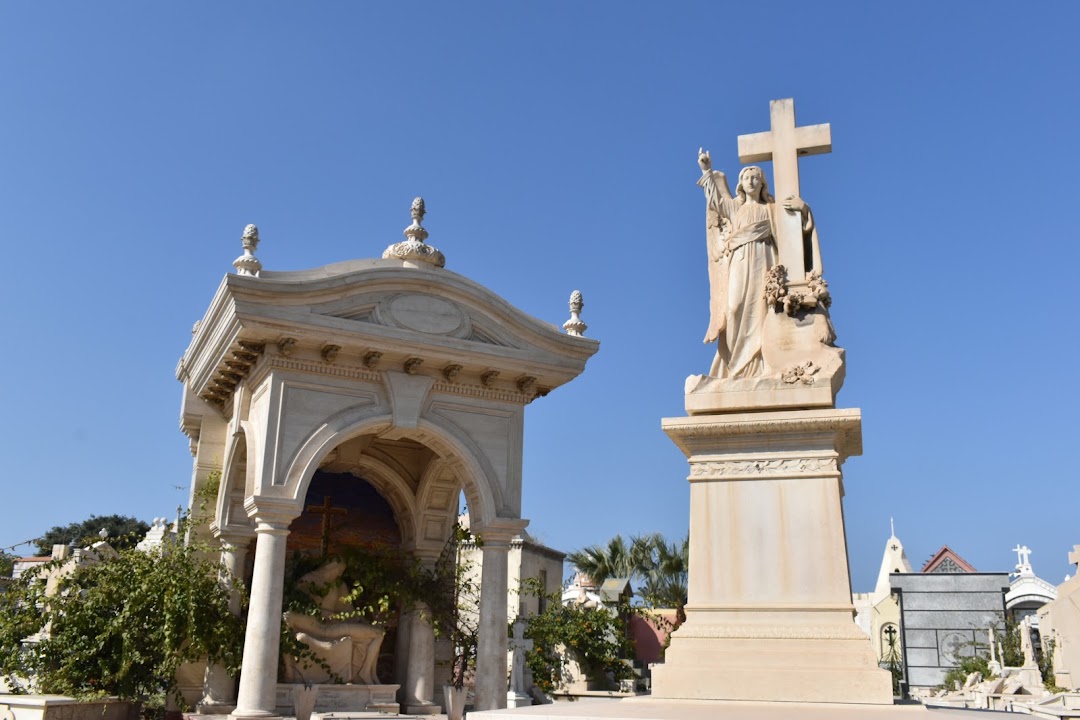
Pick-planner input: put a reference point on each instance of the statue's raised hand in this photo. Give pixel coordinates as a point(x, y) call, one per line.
point(704, 160)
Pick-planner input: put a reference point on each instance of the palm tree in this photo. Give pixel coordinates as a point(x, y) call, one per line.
point(601, 562)
point(658, 568)
point(662, 568)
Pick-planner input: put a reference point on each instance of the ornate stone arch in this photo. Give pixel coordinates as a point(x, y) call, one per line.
point(473, 469)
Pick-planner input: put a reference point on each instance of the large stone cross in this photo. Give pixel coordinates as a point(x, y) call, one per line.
point(326, 511)
point(784, 144)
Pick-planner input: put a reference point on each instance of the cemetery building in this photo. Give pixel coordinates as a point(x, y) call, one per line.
point(942, 617)
point(1027, 592)
point(1059, 628)
point(351, 406)
point(527, 559)
point(877, 613)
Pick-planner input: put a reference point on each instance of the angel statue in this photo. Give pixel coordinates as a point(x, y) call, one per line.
point(741, 237)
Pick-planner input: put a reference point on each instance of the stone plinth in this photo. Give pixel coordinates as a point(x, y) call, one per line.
point(343, 698)
point(769, 615)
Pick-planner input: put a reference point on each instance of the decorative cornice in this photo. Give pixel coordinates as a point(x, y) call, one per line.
point(484, 393)
point(708, 433)
point(354, 373)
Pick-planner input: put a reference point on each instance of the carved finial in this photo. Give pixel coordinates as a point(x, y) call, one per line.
point(248, 264)
point(414, 249)
point(575, 326)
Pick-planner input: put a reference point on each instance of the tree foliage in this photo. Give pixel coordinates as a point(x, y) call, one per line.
point(656, 568)
point(124, 532)
point(595, 637)
point(122, 626)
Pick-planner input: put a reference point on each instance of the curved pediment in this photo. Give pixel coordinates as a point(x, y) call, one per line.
point(383, 311)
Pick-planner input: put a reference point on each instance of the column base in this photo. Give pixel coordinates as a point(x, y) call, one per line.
point(214, 708)
point(422, 709)
point(516, 700)
point(250, 714)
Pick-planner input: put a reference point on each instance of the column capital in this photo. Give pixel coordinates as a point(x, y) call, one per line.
point(271, 513)
point(498, 532)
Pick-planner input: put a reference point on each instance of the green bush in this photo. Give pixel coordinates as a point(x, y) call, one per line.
point(121, 627)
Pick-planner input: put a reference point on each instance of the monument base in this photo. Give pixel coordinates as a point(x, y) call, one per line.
point(771, 662)
point(342, 698)
point(769, 615)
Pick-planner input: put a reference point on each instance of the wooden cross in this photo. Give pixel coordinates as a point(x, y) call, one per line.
point(326, 511)
point(784, 144)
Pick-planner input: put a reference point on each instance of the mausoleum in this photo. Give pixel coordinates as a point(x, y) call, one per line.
point(356, 403)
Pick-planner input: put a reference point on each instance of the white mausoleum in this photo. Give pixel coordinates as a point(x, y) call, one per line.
point(396, 373)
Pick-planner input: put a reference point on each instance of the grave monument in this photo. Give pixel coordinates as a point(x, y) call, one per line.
point(770, 614)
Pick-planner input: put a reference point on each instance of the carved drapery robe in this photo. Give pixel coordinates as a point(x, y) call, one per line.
point(742, 249)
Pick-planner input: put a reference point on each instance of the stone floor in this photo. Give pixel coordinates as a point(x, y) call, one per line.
point(643, 708)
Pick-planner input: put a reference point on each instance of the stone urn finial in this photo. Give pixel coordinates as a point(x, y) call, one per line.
point(414, 249)
point(248, 264)
point(575, 326)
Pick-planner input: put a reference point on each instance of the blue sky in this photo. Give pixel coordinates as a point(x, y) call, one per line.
point(555, 146)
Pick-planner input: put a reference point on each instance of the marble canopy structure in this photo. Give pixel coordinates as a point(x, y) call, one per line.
point(396, 370)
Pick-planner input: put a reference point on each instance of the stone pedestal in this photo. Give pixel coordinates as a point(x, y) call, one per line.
point(769, 615)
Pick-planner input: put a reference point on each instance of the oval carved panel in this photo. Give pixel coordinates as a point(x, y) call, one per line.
point(426, 314)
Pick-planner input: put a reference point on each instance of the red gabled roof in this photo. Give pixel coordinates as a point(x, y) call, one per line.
point(946, 553)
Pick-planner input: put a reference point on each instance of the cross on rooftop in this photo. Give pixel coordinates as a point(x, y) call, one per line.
point(326, 511)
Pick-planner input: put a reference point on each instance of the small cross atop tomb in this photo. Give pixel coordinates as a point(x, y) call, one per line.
point(326, 510)
point(1023, 555)
point(784, 144)
point(519, 645)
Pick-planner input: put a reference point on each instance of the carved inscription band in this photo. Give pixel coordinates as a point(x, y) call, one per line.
point(777, 467)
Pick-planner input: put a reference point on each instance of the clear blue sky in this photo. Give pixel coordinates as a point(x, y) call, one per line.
point(555, 145)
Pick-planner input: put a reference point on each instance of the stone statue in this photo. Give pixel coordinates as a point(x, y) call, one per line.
point(350, 648)
point(741, 237)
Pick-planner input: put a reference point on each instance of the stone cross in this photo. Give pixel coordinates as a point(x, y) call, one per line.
point(519, 645)
point(784, 144)
point(1023, 554)
point(326, 511)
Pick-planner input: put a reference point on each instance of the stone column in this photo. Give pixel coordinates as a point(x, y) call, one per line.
point(420, 677)
point(219, 687)
point(258, 676)
point(492, 640)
